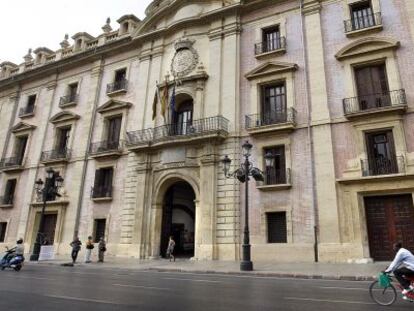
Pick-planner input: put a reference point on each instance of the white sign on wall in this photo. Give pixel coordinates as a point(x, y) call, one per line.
point(47, 252)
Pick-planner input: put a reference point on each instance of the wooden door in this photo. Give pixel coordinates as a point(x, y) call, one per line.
point(389, 219)
point(49, 228)
point(372, 87)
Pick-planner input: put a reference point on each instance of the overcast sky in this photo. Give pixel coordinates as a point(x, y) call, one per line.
point(28, 24)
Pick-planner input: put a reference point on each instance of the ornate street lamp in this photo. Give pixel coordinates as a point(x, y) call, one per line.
point(47, 189)
point(243, 173)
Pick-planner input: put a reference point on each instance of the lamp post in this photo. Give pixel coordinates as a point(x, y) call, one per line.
point(243, 174)
point(51, 185)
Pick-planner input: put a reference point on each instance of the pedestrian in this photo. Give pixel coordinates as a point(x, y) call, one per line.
point(89, 248)
point(170, 249)
point(101, 249)
point(76, 246)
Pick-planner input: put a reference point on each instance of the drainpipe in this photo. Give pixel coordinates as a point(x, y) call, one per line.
point(310, 135)
point(85, 158)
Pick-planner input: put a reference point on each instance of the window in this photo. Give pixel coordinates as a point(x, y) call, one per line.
point(114, 131)
point(3, 227)
point(372, 86)
point(183, 118)
point(120, 75)
point(9, 192)
point(276, 227)
point(381, 153)
point(103, 183)
point(271, 39)
point(362, 15)
point(72, 90)
point(274, 104)
point(20, 149)
point(99, 232)
point(276, 174)
point(62, 142)
point(125, 27)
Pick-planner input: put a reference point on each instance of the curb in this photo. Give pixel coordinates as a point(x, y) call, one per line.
point(270, 274)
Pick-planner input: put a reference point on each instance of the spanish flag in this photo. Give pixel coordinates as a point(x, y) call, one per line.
point(164, 100)
point(154, 104)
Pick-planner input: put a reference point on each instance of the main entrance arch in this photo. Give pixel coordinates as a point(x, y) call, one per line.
point(179, 219)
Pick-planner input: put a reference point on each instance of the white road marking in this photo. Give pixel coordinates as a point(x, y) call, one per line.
point(86, 300)
point(344, 288)
point(330, 301)
point(141, 286)
point(192, 280)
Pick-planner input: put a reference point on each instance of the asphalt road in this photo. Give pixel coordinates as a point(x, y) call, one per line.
point(44, 288)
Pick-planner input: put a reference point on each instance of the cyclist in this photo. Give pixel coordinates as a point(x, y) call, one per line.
point(405, 259)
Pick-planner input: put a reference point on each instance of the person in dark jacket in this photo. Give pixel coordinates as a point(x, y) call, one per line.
point(101, 249)
point(76, 246)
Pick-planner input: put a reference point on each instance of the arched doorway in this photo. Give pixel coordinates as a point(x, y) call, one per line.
point(178, 219)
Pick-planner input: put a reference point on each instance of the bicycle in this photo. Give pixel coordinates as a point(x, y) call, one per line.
point(384, 293)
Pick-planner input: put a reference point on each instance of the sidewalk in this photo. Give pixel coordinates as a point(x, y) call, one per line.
point(340, 271)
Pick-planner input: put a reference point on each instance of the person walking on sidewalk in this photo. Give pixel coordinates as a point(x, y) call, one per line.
point(76, 246)
point(89, 248)
point(170, 248)
point(402, 266)
point(101, 249)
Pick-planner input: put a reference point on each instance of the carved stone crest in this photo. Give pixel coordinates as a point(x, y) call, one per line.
point(185, 59)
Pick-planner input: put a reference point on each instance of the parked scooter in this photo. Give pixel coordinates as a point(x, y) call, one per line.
point(10, 261)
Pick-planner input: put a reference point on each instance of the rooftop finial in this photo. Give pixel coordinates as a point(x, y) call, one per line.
point(65, 43)
point(28, 57)
point(107, 27)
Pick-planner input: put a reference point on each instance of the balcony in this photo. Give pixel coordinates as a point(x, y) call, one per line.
point(367, 23)
point(101, 193)
point(26, 112)
point(392, 101)
point(117, 87)
point(11, 164)
point(56, 156)
point(106, 148)
point(68, 100)
point(275, 179)
point(276, 121)
point(6, 201)
point(382, 166)
point(276, 46)
point(186, 133)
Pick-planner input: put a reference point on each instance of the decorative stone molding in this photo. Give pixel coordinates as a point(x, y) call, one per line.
point(22, 127)
point(64, 116)
point(367, 45)
point(185, 59)
point(270, 68)
point(311, 7)
point(112, 105)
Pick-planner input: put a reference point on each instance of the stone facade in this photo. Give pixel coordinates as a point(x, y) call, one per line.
point(212, 54)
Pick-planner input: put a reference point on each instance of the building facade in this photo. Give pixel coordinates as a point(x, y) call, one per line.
point(137, 119)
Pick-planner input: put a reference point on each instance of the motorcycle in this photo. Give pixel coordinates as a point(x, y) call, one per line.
point(8, 261)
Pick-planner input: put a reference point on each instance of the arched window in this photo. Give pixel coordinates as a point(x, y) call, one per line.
point(183, 118)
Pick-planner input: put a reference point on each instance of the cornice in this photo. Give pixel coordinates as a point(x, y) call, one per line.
point(311, 7)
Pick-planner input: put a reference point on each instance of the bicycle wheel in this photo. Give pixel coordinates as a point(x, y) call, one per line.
point(382, 296)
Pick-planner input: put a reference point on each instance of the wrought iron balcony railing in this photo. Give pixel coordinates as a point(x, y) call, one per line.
point(11, 162)
point(363, 22)
point(56, 155)
point(121, 85)
point(274, 176)
point(382, 166)
point(101, 192)
point(374, 102)
point(105, 146)
point(6, 200)
point(28, 110)
point(199, 127)
point(270, 46)
point(68, 99)
point(258, 120)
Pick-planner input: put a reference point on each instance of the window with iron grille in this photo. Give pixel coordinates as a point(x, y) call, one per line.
point(72, 90)
point(277, 174)
point(103, 183)
point(20, 148)
point(99, 232)
point(271, 39)
point(114, 131)
point(120, 75)
point(276, 227)
point(362, 15)
point(9, 191)
point(274, 104)
point(3, 227)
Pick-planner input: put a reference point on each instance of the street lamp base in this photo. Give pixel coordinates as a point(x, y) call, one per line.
point(34, 257)
point(246, 266)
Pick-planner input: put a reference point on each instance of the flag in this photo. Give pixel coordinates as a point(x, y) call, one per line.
point(164, 100)
point(172, 104)
point(154, 104)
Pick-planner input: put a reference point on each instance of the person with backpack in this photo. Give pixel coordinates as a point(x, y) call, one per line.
point(89, 248)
